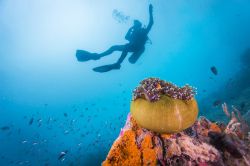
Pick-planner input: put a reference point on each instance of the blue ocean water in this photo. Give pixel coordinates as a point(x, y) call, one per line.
point(50, 103)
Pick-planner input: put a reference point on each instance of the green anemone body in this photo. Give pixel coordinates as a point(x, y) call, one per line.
point(167, 115)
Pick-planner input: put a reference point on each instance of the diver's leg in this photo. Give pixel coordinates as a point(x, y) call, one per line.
point(122, 57)
point(117, 65)
point(83, 55)
point(112, 49)
point(135, 56)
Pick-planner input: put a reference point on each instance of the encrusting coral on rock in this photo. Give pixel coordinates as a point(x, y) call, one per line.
point(203, 144)
point(200, 143)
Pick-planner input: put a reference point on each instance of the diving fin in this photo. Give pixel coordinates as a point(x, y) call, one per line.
point(83, 56)
point(106, 68)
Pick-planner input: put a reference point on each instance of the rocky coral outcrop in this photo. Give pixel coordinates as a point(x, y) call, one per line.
point(203, 144)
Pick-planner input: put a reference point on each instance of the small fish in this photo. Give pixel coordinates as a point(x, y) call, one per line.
point(214, 70)
point(65, 114)
point(20, 163)
point(49, 120)
point(62, 154)
point(35, 143)
point(23, 142)
point(72, 121)
point(66, 132)
point(39, 122)
point(4, 128)
point(31, 121)
point(242, 105)
point(217, 103)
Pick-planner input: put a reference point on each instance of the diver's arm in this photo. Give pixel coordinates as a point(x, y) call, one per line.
point(128, 35)
point(151, 20)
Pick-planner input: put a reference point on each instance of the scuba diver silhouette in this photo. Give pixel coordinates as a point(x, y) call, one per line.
point(137, 37)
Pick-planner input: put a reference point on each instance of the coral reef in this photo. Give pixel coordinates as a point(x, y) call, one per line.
point(203, 144)
point(163, 129)
point(163, 107)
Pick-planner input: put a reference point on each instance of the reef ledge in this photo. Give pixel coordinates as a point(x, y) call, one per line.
point(203, 144)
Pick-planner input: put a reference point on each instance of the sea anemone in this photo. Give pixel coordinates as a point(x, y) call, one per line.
point(163, 107)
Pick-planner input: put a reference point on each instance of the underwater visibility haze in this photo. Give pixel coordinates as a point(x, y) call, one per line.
point(56, 110)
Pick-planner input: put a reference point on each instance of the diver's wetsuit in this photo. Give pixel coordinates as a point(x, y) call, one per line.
point(137, 39)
